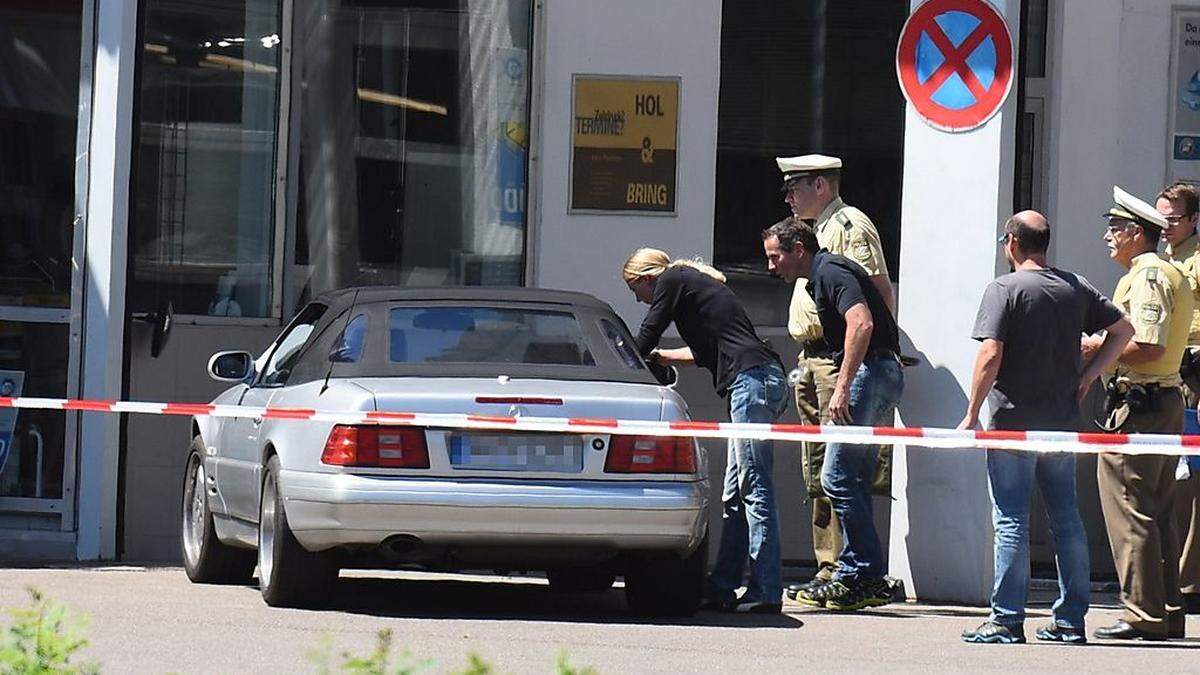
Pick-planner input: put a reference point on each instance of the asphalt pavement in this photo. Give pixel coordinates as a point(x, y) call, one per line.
point(152, 620)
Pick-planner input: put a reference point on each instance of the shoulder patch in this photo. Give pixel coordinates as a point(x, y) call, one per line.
point(861, 251)
point(1152, 274)
point(1150, 313)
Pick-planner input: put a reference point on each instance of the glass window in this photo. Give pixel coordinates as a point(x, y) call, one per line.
point(622, 344)
point(33, 362)
point(486, 335)
point(290, 345)
point(348, 346)
point(800, 78)
point(204, 162)
point(412, 127)
point(39, 106)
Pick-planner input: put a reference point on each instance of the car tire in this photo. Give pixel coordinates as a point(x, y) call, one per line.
point(205, 559)
point(580, 579)
point(288, 574)
point(666, 584)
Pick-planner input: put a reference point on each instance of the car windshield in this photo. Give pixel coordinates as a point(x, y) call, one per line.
point(486, 335)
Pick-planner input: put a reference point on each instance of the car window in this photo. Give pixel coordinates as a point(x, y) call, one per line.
point(348, 346)
point(622, 344)
point(486, 335)
point(287, 351)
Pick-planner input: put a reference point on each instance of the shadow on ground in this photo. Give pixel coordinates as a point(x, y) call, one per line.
point(511, 600)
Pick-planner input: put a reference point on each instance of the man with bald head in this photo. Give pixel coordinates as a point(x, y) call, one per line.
point(1030, 371)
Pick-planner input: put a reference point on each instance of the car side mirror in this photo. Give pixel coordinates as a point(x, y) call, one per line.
point(231, 366)
point(667, 376)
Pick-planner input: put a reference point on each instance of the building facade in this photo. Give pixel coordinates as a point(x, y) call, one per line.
point(229, 159)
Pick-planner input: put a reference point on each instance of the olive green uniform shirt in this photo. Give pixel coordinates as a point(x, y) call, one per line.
point(1158, 301)
point(842, 230)
point(1184, 257)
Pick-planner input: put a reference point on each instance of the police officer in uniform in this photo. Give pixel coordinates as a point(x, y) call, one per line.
point(811, 189)
point(1179, 205)
point(1145, 396)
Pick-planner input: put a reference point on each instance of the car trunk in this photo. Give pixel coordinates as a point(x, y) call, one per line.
point(498, 453)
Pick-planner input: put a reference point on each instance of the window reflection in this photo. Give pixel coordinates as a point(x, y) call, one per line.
point(412, 119)
point(202, 229)
point(33, 362)
point(39, 96)
point(835, 93)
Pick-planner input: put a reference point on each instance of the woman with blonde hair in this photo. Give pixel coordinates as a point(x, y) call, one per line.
point(720, 338)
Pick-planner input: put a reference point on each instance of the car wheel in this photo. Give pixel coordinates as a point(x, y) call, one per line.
point(580, 579)
point(205, 559)
point(288, 574)
point(665, 584)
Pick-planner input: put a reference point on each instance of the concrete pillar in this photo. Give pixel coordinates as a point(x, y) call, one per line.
point(957, 189)
point(107, 227)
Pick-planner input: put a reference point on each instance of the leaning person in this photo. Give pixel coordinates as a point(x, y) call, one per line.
point(720, 337)
point(1030, 371)
point(1137, 492)
point(859, 327)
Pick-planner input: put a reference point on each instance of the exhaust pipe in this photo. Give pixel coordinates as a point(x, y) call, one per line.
point(398, 546)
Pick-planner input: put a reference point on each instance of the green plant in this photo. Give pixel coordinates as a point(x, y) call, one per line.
point(564, 667)
point(42, 639)
point(378, 662)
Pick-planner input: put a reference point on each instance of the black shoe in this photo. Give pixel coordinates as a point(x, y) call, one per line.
point(994, 633)
point(795, 589)
point(758, 607)
point(1176, 621)
point(1191, 603)
point(1123, 631)
point(859, 594)
point(1054, 632)
point(713, 603)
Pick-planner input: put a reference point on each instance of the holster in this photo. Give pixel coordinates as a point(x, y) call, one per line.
point(1123, 398)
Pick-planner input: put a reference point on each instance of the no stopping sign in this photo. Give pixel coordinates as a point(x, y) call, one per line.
point(955, 63)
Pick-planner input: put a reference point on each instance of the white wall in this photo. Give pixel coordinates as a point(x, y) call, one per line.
point(680, 38)
point(957, 189)
point(1110, 74)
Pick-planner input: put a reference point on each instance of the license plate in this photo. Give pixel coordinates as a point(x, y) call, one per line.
point(517, 452)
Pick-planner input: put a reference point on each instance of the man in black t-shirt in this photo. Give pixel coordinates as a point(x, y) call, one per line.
point(1030, 371)
point(865, 342)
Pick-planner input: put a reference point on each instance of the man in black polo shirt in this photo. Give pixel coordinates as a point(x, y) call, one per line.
point(866, 341)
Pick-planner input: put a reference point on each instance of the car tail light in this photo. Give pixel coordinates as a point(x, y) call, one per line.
point(650, 454)
point(372, 445)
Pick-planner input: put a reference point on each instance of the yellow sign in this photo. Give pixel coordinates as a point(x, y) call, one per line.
point(624, 135)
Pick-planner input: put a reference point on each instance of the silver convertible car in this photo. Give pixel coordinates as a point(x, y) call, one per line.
point(314, 497)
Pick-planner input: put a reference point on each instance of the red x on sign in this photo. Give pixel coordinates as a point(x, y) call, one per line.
point(954, 62)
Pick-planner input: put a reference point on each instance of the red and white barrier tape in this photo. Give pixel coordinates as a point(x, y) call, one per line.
point(1040, 441)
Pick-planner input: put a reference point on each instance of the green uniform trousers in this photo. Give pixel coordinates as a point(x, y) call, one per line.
point(1137, 498)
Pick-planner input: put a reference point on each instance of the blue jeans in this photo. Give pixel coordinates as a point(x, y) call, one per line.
point(1011, 476)
point(750, 522)
point(849, 470)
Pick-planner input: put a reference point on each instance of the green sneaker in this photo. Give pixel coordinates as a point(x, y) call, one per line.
point(856, 595)
point(818, 595)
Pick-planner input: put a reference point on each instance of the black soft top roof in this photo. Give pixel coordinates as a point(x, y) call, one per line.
point(344, 296)
point(376, 363)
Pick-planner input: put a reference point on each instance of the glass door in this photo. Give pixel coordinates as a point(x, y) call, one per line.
point(40, 256)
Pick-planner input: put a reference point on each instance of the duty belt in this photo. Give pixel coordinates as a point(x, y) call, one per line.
point(1123, 398)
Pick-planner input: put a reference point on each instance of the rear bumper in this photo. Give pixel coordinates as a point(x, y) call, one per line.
point(328, 510)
